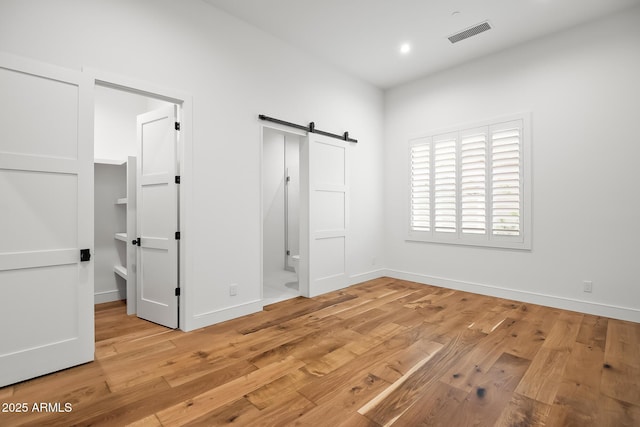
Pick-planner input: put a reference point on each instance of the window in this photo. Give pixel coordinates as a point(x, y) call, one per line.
point(471, 186)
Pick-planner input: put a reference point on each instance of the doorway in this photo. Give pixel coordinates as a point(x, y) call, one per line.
point(322, 226)
point(135, 197)
point(281, 215)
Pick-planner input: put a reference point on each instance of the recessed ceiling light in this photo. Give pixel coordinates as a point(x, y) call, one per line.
point(405, 48)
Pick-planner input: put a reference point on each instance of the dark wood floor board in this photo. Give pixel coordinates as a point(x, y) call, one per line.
point(404, 316)
point(273, 392)
point(401, 317)
point(192, 409)
point(238, 412)
point(376, 356)
point(466, 372)
point(204, 368)
point(306, 347)
point(616, 413)
point(484, 404)
point(435, 407)
point(525, 412)
point(386, 352)
point(401, 362)
point(585, 358)
point(280, 317)
point(342, 402)
point(428, 297)
point(106, 410)
point(81, 388)
point(402, 398)
point(575, 405)
point(564, 333)
point(620, 372)
point(139, 343)
point(452, 314)
point(329, 362)
point(526, 338)
point(357, 420)
point(593, 331)
point(400, 387)
point(290, 407)
point(548, 364)
point(376, 303)
point(356, 322)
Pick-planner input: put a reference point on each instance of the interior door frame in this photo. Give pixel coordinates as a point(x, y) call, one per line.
point(303, 285)
point(185, 160)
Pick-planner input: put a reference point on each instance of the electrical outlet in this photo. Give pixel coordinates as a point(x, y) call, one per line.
point(587, 286)
point(233, 290)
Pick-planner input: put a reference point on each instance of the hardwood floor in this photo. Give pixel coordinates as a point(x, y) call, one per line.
point(385, 352)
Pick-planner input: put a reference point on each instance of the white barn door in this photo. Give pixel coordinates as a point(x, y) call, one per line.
point(157, 217)
point(324, 210)
point(46, 218)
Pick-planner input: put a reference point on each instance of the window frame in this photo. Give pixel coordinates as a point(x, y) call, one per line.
point(488, 239)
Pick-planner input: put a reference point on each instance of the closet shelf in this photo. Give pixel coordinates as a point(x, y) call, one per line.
point(120, 271)
point(122, 201)
point(121, 236)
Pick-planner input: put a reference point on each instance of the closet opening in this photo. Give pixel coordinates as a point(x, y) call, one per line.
point(136, 202)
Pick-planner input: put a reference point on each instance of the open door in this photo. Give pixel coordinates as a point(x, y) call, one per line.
point(157, 217)
point(324, 216)
point(46, 211)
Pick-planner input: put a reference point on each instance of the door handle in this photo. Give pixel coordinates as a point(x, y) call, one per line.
point(135, 242)
point(85, 255)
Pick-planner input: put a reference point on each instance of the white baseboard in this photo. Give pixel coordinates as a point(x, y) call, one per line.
point(107, 296)
point(589, 307)
point(369, 275)
point(216, 316)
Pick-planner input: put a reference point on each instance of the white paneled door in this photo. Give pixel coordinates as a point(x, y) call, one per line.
point(324, 215)
point(46, 219)
point(157, 217)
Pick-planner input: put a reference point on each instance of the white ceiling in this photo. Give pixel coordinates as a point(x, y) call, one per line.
point(362, 37)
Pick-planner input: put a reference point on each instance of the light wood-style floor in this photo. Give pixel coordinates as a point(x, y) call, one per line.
point(385, 352)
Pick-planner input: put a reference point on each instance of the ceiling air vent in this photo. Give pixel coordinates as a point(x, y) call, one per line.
point(469, 32)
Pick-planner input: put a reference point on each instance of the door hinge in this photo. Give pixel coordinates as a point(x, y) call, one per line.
point(85, 255)
point(177, 179)
point(177, 126)
point(177, 235)
point(177, 292)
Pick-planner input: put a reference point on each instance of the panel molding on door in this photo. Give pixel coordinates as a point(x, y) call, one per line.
point(325, 207)
point(46, 182)
point(157, 217)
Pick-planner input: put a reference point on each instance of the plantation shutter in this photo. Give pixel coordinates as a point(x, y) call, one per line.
point(473, 197)
point(445, 183)
point(506, 173)
point(420, 187)
point(468, 186)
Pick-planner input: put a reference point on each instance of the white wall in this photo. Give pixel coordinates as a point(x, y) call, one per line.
point(115, 121)
point(234, 73)
point(583, 90)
